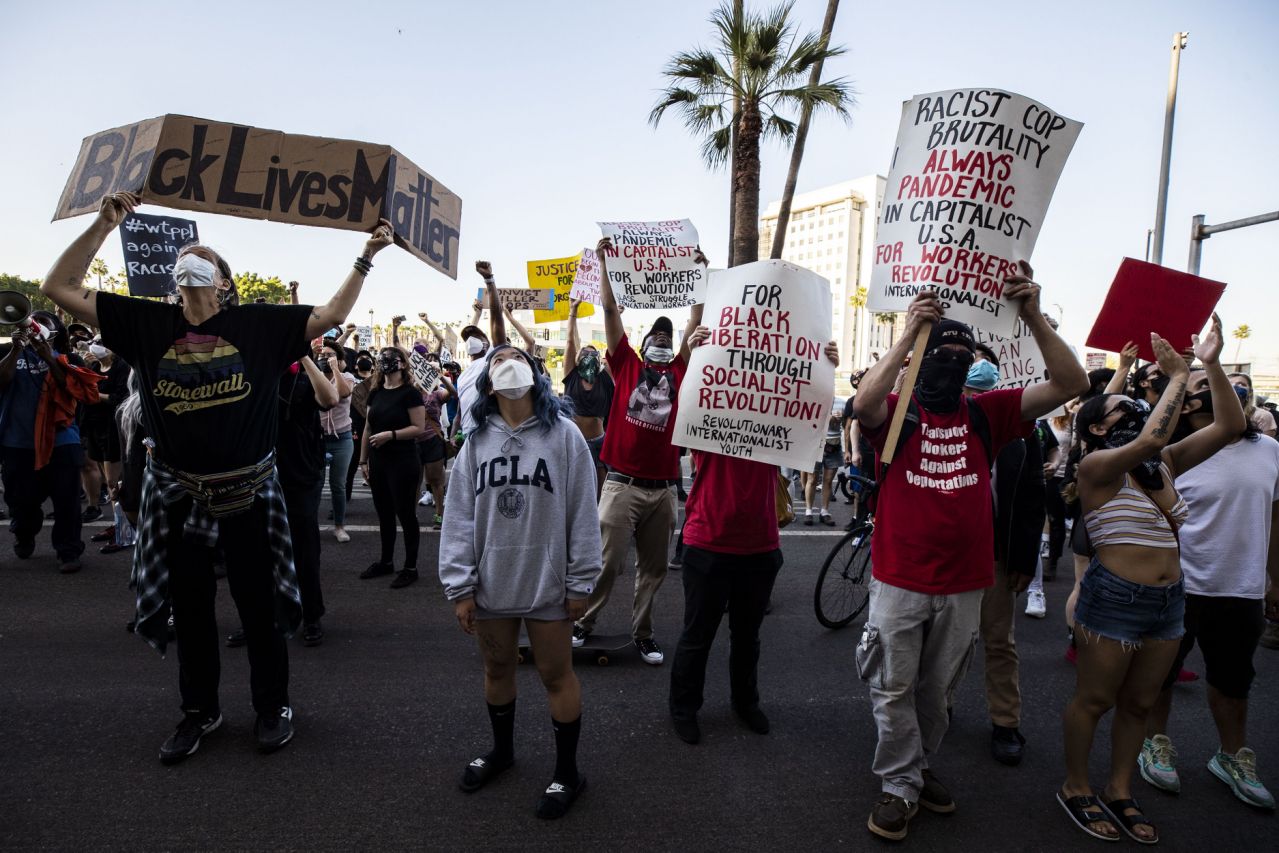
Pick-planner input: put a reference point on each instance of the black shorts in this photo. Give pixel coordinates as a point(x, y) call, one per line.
point(430, 450)
point(1227, 630)
point(101, 442)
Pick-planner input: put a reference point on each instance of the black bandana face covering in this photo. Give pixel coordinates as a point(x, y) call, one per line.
point(941, 379)
point(1125, 431)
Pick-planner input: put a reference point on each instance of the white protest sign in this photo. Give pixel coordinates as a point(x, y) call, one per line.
point(651, 264)
point(971, 178)
point(446, 355)
point(761, 386)
point(586, 281)
point(1021, 364)
point(365, 335)
point(426, 373)
point(520, 298)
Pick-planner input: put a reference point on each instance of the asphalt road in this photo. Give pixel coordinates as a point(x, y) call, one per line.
point(389, 710)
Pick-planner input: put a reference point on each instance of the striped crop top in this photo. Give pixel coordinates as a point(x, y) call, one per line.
point(1132, 517)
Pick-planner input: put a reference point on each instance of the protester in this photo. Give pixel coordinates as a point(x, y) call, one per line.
point(1259, 417)
point(832, 460)
point(636, 503)
point(1234, 490)
point(389, 461)
point(1050, 452)
point(521, 545)
point(1129, 617)
point(337, 426)
point(101, 439)
point(431, 445)
point(477, 346)
point(589, 385)
point(1061, 426)
point(41, 386)
point(359, 410)
point(731, 557)
point(209, 370)
point(934, 539)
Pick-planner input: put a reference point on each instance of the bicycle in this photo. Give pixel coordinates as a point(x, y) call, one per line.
point(842, 590)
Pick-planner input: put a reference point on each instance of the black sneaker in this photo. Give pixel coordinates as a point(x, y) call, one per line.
point(1006, 745)
point(687, 729)
point(236, 639)
point(890, 816)
point(186, 739)
point(23, 550)
point(579, 636)
point(274, 730)
point(312, 634)
point(650, 651)
point(377, 570)
point(92, 513)
point(404, 578)
point(753, 717)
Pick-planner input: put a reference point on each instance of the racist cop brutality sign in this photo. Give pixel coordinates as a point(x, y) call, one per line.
point(195, 164)
point(151, 245)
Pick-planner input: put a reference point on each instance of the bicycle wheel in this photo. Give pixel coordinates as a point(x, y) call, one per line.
point(847, 488)
point(842, 592)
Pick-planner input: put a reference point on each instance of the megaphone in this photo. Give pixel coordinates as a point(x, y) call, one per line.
point(15, 308)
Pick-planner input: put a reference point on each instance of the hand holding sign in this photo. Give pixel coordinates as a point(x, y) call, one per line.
point(383, 236)
point(115, 207)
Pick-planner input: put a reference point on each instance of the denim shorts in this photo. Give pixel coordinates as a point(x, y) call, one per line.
point(1129, 612)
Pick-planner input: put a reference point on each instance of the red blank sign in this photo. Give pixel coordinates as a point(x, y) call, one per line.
point(1147, 298)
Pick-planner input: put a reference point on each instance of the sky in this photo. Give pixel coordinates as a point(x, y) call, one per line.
point(535, 114)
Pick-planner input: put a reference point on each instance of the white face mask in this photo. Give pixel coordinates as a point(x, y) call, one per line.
point(474, 346)
point(193, 271)
point(512, 378)
point(659, 355)
point(98, 351)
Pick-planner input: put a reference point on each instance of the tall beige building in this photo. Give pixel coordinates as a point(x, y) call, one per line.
point(832, 232)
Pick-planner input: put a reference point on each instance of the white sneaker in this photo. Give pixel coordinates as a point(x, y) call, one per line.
point(426, 500)
point(1036, 604)
point(650, 651)
point(341, 535)
point(1158, 764)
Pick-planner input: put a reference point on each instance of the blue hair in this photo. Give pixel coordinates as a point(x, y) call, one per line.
point(547, 406)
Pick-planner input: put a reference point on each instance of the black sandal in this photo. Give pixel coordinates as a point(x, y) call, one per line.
point(1081, 811)
point(558, 798)
point(1116, 808)
point(480, 772)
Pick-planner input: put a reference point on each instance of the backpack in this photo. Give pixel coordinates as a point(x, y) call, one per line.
point(976, 417)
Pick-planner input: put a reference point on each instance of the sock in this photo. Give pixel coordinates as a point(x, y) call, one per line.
point(503, 719)
point(566, 735)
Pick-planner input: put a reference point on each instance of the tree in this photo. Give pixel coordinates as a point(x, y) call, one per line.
point(858, 300)
point(253, 286)
point(99, 270)
point(1241, 334)
point(771, 61)
point(29, 289)
point(801, 136)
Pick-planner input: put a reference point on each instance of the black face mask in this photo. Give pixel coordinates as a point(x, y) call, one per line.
point(1205, 402)
point(1124, 431)
point(364, 365)
point(1160, 384)
point(389, 365)
point(941, 379)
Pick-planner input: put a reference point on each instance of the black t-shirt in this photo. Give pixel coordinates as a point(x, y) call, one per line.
point(299, 448)
point(210, 390)
point(389, 409)
point(863, 446)
point(592, 403)
point(115, 384)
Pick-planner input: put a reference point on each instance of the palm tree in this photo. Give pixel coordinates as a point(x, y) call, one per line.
point(771, 61)
point(99, 269)
point(801, 136)
point(1241, 334)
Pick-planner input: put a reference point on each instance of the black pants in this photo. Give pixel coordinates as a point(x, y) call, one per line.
point(357, 430)
point(26, 490)
point(1056, 507)
point(303, 505)
point(1227, 630)
point(712, 581)
point(193, 588)
point(393, 478)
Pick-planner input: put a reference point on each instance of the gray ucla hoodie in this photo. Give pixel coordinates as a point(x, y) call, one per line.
point(521, 524)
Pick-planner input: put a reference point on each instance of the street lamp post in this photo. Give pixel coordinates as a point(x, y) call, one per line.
point(1170, 111)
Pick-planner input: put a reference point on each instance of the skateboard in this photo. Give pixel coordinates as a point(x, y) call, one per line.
point(601, 646)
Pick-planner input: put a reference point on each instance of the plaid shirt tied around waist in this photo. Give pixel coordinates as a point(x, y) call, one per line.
point(211, 496)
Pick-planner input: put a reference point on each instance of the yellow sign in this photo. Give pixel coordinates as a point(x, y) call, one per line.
point(557, 274)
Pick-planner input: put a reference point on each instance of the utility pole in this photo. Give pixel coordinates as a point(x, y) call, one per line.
point(1200, 232)
point(1170, 112)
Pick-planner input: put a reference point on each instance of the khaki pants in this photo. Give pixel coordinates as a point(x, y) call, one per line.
point(649, 516)
point(998, 608)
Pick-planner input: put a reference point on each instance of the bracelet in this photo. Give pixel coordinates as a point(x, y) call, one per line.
point(363, 265)
point(393, 438)
point(488, 279)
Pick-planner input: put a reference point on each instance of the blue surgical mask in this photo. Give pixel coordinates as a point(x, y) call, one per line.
point(983, 376)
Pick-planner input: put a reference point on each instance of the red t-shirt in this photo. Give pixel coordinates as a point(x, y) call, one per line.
point(642, 417)
point(732, 507)
point(934, 525)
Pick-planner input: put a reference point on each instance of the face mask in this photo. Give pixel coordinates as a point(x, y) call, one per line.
point(1205, 402)
point(389, 364)
point(512, 378)
point(941, 379)
point(1241, 391)
point(1125, 431)
point(324, 365)
point(474, 346)
point(659, 355)
point(193, 271)
point(1159, 384)
point(588, 367)
point(364, 365)
point(98, 352)
point(983, 376)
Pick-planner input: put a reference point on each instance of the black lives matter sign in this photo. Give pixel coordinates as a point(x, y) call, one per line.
point(215, 167)
point(151, 245)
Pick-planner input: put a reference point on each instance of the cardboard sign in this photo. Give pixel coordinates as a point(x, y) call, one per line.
point(586, 282)
point(651, 264)
point(1147, 298)
point(971, 178)
point(216, 167)
point(364, 334)
point(520, 298)
point(426, 374)
point(151, 245)
point(557, 274)
point(1021, 364)
point(1094, 360)
point(761, 386)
